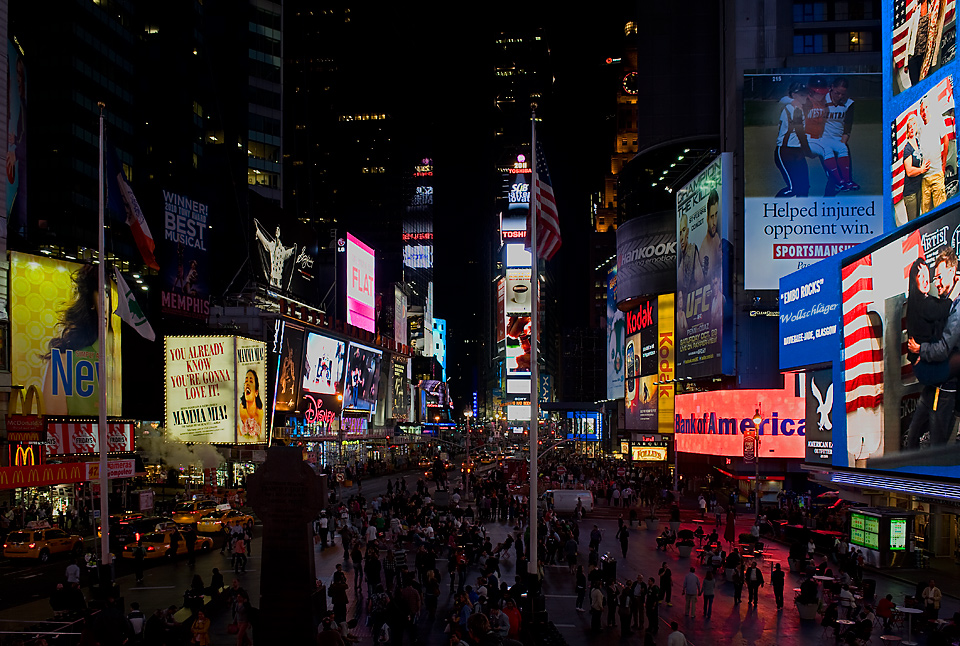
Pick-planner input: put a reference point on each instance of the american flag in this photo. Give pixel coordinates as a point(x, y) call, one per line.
point(903, 11)
point(544, 205)
point(863, 357)
point(949, 13)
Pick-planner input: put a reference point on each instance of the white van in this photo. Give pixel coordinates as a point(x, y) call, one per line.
point(564, 501)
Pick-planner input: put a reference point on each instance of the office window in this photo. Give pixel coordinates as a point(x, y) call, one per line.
point(809, 11)
point(810, 44)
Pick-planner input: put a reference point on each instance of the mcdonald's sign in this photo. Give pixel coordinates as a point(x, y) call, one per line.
point(41, 475)
point(25, 420)
point(23, 455)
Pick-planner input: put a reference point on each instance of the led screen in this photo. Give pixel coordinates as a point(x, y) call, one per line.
point(361, 294)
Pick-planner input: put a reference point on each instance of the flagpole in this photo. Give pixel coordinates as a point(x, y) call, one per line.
point(102, 310)
point(534, 367)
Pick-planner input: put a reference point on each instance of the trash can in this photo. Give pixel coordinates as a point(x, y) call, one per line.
point(869, 589)
point(608, 568)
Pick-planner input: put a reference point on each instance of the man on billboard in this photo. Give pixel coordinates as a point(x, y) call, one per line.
point(710, 251)
point(933, 144)
point(274, 255)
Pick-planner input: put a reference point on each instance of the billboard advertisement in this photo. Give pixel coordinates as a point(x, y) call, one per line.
point(896, 300)
point(361, 287)
point(322, 386)
point(924, 154)
point(290, 369)
point(362, 378)
point(251, 383)
point(713, 423)
point(53, 336)
point(666, 369)
point(200, 389)
point(646, 256)
point(819, 416)
point(518, 335)
point(288, 253)
point(401, 394)
point(810, 321)
point(184, 271)
point(16, 141)
point(518, 291)
point(812, 168)
point(615, 340)
point(84, 437)
point(923, 38)
point(400, 315)
point(642, 351)
point(704, 263)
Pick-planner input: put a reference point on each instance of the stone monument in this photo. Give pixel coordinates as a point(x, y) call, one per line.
point(287, 495)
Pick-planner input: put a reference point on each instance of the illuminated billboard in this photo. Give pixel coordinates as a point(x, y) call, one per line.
point(819, 416)
point(704, 306)
point(646, 256)
point(53, 336)
point(813, 169)
point(518, 291)
point(713, 423)
point(362, 379)
point(361, 285)
point(924, 154)
point(889, 301)
point(640, 402)
point(615, 340)
point(400, 303)
point(666, 368)
point(923, 39)
point(184, 268)
point(290, 369)
point(322, 385)
point(214, 389)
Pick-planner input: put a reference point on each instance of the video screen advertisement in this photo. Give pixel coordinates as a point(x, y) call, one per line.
point(704, 262)
point(184, 268)
point(811, 325)
point(642, 353)
point(288, 252)
point(518, 309)
point(898, 417)
point(666, 367)
point(615, 340)
point(646, 256)
point(289, 369)
point(362, 378)
point(923, 153)
point(361, 286)
point(54, 337)
point(813, 180)
point(215, 387)
point(923, 38)
point(324, 360)
point(713, 423)
point(819, 416)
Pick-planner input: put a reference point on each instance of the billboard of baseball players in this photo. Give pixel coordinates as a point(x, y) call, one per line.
point(923, 39)
point(704, 264)
point(812, 168)
point(924, 154)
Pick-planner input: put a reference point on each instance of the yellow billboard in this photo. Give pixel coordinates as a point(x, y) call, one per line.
point(53, 333)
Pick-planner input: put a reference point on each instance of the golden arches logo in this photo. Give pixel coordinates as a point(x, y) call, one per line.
point(24, 457)
point(25, 402)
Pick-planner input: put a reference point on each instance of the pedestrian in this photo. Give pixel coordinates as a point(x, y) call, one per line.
point(777, 580)
point(708, 590)
point(702, 503)
point(73, 573)
point(623, 534)
point(737, 583)
point(324, 527)
point(139, 554)
point(611, 592)
point(338, 596)
point(200, 630)
point(596, 607)
point(691, 590)
point(626, 607)
point(639, 601)
point(676, 638)
point(190, 539)
point(666, 583)
point(754, 579)
point(653, 607)
point(241, 617)
point(239, 556)
point(581, 587)
point(931, 600)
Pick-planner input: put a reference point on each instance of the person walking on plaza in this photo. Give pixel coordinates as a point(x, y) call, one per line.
point(702, 503)
point(623, 534)
point(931, 600)
point(596, 607)
point(754, 578)
point(581, 587)
point(653, 607)
point(777, 580)
point(676, 638)
point(666, 583)
point(709, 589)
point(737, 583)
point(639, 600)
point(691, 591)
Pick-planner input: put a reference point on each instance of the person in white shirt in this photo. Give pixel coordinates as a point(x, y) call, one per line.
point(371, 533)
point(691, 591)
point(934, 144)
point(430, 532)
point(73, 572)
point(676, 638)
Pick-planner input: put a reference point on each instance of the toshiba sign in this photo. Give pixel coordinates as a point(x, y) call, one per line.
point(715, 422)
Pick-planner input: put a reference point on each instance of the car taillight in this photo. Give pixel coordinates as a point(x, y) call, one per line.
point(150, 549)
point(4, 546)
point(137, 536)
point(32, 545)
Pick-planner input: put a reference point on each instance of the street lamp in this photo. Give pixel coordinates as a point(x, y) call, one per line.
point(466, 468)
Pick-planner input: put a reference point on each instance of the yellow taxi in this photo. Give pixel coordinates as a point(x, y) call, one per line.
point(158, 544)
point(217, 521)
point(41, 543)
point(189, 512)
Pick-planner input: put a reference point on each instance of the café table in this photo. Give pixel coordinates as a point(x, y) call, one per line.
point(909, 612)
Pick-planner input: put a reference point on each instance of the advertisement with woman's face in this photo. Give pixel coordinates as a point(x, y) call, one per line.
point(54, 335)
point(901, 364)
point(362, 379)
point(252, 378)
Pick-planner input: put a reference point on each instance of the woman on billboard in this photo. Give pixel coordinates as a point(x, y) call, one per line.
point(251, 408)
point(792, 149)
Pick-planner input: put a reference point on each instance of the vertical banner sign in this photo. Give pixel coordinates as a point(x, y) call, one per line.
point(615, 340)
point(813, 169)
point(54, 336)
point(399, 316)
point(184, 270)
point(290, 366)
point(201, 402)
point(251, 386)
point(666, 371)
point(704, 262)
point(819, 416)
point(360, 285)
point(641, 378)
